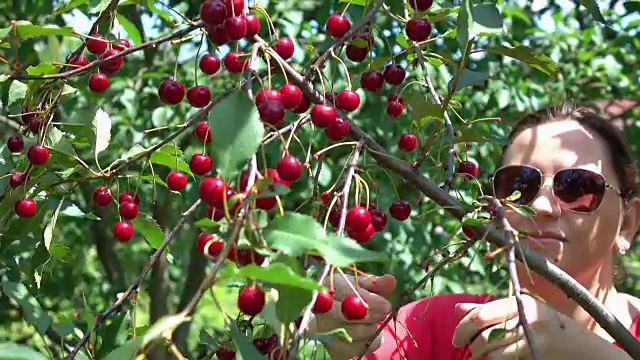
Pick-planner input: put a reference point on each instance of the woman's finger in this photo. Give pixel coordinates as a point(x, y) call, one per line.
point(496, 336)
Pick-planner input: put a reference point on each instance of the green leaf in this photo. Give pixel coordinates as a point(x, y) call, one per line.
point(27, 30)
point(42, 69)
point(13, 351)
point(379, 62)
point(343, 251)
point(356, 2)
point(56, 140)
point(526, 55)
point(31, 309)
point(131, 30)
point(329, 336)
point(170, 161)
point(69, 5)
point(127, 351)
point(496, 334)
point(475, 137)
point(237, 121)
point(164, 325)
point(150, 230)
point(161, 14)
point(101, 125)
point(207, 224)
point(102, 6)
point(468, 78)
point(522, 210)
point(17, 92)
point(275, 273)
point(48, 230)
point(482, 19)
point(88, 313)
point(244, 347)
point(594, 10)
point(291, 301)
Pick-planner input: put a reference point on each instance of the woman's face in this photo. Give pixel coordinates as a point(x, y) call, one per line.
point(589, 237)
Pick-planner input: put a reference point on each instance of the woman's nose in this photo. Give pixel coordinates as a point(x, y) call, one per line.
point(545, 204)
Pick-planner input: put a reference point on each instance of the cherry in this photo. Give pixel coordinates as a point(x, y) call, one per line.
point(217, 35)
point(234, 7)
point(338, 25)
point(244, 256)
point(362, 236)
point(15, 144)
point(469, 168)
point(468, 231)
point(38, 154)
point(330, 97)
point(235, 27)
point(26, 115)
point(266, 203)
point(243, 180)
point(273, 175)
point(338, 130)
point(125, 196)
point(123, 231)
point(212, 190)
point(420, 5)
point(98, 83)
point(400, 210)
point(366, 37)
point(97, 44)
point(395, 97)
point(291, 96)
point(358, 218)
point(171, 92)
point(323, 115)
point(199, 96)
point(268, 94)
point(35, 124)
point(200, 164)
point(215, 246)
point(353, 308)
point(215, 213)
point(16, 179)
point(102, 196)
point(372, 80)
point(347, 100)
point(111, 66)
point(324, 302)
point(25, 208)
point(213, 12)
point(394, 74)
point(253, 25)
point(209, 64)
point(325, 197)
point(305, 103)
point(378, 219)
point(356, 54)
point(289, 168)
point(176, 181)
point(251, 300)
point(78, 61)
point(225, 354)
point(334, 218)
point(407, 142)
point(264, 345)
point(128, 210)
point(203, 132)
point(394, 108)
point(271, 111)
point(122, 44)
point(235, 62)
point(418, 29)
point(284, 47)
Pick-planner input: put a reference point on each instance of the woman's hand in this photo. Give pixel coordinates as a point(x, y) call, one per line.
point(555, 335)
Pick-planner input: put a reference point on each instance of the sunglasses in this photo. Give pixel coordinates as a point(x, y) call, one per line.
point(577, 190)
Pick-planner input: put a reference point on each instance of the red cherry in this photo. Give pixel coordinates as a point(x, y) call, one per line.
point(400, 210)
point(358, 218)
point(209, 64)
point(212, 190)
point(266, 203)
point(305, 103)
point(323, 115)
point(362, 237)
point(171, 92)
point(394, 74)
point(234, 7)
point(284, 47)
point(98, 83)
point(15, 144)
point(78, 61)
point(273, 175)
point(366, 37)
point(356, 54)
point(97, 44)
point(268, 94)
point(323, 303)
point(469, 168)
point(38, 154)
point(330, 97)
point(199, 96)
point(213, 242)
point(378, 219)
point(253, 25)
point(176, 181)
point(372, 80)
point(35, 125)
point(418, 29)
point(468, 231)
point(244, 256)
point(420, 5)
point(289, 168)
point(26, 115)
point(235, 27)
point(251, 300)
point(235, 62)
point(338, 25)
point(111, 66)
point(123, 231)
point(353, 308)
point(125, 196)
point(338, 130)
point(291, 96)
point(271, 112)
point(407, 142)
point(16, 179)
point(102, 196)
point(262, 345)
point(394, 109)
point(213, 12)
point(325, 197)
point(395, 97)
point(200, 164)
point(25, 208)
point(128, 210)
point(334, 218)
point(225, 354)
point(217, 35)
point(122, 44)
point(347, 100)
point(203, 132)
point(215, 213)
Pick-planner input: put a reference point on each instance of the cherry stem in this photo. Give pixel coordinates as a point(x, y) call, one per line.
point(163, 128)
point(353, 288)
point(362, 273)
point(195, 70)
point(270, 26)
point(321, 82)
point(331, 281)
point(344, 67)
point(350, 143)
point(345, 9)
point(366, 186)
point(284, 73)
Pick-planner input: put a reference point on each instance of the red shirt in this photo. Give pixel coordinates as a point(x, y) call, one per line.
point(432, 330)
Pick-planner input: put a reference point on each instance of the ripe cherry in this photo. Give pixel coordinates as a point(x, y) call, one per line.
point(418, 29)
point(215, 213)
point(235, 27)
point(102, 196)
point(266, 203)
point(253, 25)
point(356, 54)
point(209, 64)
point(378, 219)
point(225, 354)
point(200, 164)
point(353, 308)
point(468, 231)
point(362, 237)
point(199, 96)
point(284, 47)
point(212, 190)
point(407, 142)
point(15, 144)
point(395, 97)
point(97, 44)
point(420, 5)
point(358, 218)
point(203, 132)
point(35, 124)
point(78, 61)
point(273, 175)
point(171, 92)
point(338, 130)
point(271, 111)
point(38, 154)
point(251, 300)
point(128, 210)
point(217, 35)
point(111, 66)
point(213, 12)
point(347, 100)
point(122, 44)
point(176, 181)
point(324, 302)
point(394, 109)
point(289, 168)
point(394, 74)
point(16, 179)
point(305, 103)
point(125, 196)
point(123, 231)
point(469, 168)
point(338, 25)
point(244, 256)
point(209, 244)
point(235, 62)
point(268, 94)
point(26, 115)
point(400, 210)
point(25, 208)
point(98, 83)
point(291, 96)
point(323, 115)
point(234, 7)
point(372, 80)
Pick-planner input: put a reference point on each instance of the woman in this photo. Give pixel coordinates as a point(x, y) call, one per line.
point(575, 170)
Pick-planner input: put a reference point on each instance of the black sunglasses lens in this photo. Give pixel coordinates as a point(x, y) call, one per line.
point(579, 190)
point(526, 180)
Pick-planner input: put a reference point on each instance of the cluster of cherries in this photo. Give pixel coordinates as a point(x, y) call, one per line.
point(98, 45)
